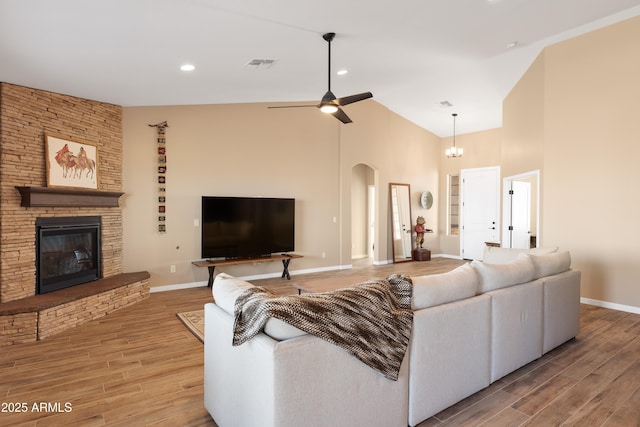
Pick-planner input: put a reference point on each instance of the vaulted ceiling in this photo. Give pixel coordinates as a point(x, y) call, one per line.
point(415, 56)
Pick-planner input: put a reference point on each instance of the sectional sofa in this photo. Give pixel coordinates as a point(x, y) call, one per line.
point(471, 326)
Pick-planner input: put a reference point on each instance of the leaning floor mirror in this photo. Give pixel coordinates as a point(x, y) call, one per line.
point(401, 235)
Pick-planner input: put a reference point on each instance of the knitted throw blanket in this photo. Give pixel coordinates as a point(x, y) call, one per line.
point(371, 320)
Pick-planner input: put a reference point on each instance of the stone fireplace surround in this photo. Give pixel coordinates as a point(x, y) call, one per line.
point(25, 115)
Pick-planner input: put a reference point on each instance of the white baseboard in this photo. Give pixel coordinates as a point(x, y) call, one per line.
point(446, 256)
point(611, 305)
point(177, 287)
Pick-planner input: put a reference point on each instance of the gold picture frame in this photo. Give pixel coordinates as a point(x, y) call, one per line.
point(70, 164)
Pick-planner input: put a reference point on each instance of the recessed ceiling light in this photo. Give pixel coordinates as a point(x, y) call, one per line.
point(187, 67)
point(512, 44)
point(342, 72)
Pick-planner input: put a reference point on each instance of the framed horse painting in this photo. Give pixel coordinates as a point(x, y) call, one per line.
point(71, 163)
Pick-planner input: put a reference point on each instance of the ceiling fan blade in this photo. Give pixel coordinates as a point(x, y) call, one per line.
point(327, 98)
point(353, 98)
point(342, 116)
point(292, 106)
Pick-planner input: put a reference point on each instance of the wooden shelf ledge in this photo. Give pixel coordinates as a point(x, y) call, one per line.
point(67, 197)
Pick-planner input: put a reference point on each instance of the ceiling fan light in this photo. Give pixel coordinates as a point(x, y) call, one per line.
point(329, 108)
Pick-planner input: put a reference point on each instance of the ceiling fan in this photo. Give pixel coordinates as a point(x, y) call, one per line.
point(329, 103)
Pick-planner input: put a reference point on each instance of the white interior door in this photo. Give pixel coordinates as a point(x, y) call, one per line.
point(520, 215)
point(520, 210)
point(480, 220)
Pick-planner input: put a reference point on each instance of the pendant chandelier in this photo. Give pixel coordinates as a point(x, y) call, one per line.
point(453, 151)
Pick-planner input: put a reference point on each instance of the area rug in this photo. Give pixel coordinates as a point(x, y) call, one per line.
point(194, 321)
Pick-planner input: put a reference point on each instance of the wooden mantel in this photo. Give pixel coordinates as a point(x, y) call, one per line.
point(67, 197)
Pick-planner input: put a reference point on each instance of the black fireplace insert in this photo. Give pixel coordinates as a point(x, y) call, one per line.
point(67, 252)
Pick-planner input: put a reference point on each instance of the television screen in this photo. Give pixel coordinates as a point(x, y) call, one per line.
point(246, 227)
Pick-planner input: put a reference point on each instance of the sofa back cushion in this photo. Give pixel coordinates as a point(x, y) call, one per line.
point(436, 289)
point(496, 276)
point(493, 255)
point(550, 264)
point(226, 289)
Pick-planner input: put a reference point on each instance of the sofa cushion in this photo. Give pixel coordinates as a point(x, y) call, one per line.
point(493, 255)
point(550, 264)
point(436, 289)
point(227, 288)
point(496, 276)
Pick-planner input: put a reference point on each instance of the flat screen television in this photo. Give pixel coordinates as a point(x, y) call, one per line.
point(246, 227)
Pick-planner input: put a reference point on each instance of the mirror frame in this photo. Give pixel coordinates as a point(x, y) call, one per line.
point(406, 225)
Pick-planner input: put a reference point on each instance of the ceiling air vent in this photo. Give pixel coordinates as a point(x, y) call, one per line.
point(260, 64)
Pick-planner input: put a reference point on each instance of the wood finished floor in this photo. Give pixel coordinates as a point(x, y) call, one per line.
point(140, 366)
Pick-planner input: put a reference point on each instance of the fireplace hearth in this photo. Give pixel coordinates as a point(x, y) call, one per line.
point(67, 252)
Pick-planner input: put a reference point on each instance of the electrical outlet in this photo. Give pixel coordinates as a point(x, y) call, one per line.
point(196, 222)
point(172, 268)
point(324, 254)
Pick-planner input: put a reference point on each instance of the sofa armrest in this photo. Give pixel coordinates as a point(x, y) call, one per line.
point(561, 308)
point(229, 370)
point(449, 355)
point(299, 381)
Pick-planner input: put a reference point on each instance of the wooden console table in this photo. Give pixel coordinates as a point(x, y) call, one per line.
point(212, 264)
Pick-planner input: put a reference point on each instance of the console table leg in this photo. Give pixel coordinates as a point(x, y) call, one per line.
point(211, 270)
point(285, 270)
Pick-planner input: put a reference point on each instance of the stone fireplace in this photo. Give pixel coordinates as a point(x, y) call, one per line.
point(26, 314)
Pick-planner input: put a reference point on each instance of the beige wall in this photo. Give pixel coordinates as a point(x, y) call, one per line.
point(591, 152)
point(249, 150)
point(573, 115)
point(523, 122)
point(230, 150)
